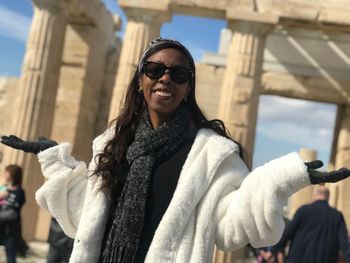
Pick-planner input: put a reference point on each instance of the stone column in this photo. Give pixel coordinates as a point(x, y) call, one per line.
point(303, 196)
point(82, 74)
point(229, 257)
point(240, 88)
point(105, 99)
point(36, 98)
point(334, 188)
point(108, 84)
point(342, 158)
point(241, 84)
point(143, 26)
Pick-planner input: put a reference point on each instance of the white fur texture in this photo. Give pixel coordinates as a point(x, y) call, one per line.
point(214, 201)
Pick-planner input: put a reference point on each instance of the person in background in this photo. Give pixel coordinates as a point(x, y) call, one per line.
point(165, 184)
point(60, 245)
point(13, 198)
point(317, 232)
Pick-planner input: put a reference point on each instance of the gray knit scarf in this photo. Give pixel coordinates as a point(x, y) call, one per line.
point(150, 146)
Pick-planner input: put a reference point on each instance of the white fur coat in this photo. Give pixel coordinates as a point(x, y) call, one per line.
point(215, 202)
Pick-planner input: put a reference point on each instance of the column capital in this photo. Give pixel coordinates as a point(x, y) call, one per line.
point(51, 5)
point(148, 11)
point(250, 16)
point(148, 16)
point(253, 27)
point(161, 5)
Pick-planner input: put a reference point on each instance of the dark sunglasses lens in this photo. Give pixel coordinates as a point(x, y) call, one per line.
point(154, 70)
point(180, 75)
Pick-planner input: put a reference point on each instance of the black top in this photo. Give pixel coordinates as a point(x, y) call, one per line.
point(162, 187)
point(57, 237)
point(317, 232)
point(16, 198)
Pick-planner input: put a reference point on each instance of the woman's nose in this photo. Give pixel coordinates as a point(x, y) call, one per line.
point(166, 77)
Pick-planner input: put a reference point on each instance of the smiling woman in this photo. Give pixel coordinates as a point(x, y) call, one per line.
point(165, 184)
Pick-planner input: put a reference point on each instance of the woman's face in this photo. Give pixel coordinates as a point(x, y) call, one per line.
point(7, 177)
point(163, 95)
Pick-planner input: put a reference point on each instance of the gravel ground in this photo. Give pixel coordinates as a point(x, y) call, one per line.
point(36, 253)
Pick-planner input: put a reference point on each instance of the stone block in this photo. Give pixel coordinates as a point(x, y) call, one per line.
point(161, 5)
point(242, 14)
point(339, 16)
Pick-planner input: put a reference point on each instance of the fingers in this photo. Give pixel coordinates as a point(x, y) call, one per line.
point(317, 177)
point(337, 175)
point(314, 164)
point(12, 141)
point(13, 137)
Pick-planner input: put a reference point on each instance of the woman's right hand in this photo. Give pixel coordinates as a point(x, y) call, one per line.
point(28, 146)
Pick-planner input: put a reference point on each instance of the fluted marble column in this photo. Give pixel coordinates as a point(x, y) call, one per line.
point(81, 79)
point(36, 98)
point(143, 26)
point(303, 196)
point(240, 89)
point(228, 257)
point(342, 159)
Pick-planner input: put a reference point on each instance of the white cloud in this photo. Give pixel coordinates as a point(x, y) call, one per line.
point(14, 25)
point(293, 133)
point(308, 114)
point(297, 121)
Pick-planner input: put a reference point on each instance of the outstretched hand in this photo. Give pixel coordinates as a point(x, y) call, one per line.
point(28, 146)
point(318, 177)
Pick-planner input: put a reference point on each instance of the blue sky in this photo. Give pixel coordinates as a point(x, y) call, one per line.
point(284, 125)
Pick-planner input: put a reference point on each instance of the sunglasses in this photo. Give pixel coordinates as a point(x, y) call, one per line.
point(155, 70)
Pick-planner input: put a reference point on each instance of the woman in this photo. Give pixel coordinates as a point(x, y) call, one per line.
point(12, 195)
point(164, 184)
point(13, 199)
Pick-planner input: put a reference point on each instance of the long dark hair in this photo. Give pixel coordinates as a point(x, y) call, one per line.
point(16, 174)
point(112, 160)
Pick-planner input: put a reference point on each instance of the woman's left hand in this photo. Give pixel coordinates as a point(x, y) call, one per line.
point(318, 177)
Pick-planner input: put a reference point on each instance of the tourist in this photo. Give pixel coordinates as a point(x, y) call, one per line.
point(317, 232)
point(12, 199)
point(165, 184)
point(60, 245)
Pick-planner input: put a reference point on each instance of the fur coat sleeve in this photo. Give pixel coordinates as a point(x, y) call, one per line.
point(253, 213)
point(63, 193)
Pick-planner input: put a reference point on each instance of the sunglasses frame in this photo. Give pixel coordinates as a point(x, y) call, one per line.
point(164, 68)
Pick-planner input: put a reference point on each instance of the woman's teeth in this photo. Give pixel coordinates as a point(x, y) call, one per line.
point(163, 93)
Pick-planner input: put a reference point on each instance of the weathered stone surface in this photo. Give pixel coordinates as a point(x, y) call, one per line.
point(342, 159)
point(318, 12)
point(308, 88)
point(208, 88)
point(247, 15)
point(303, 196)
point(8, 90)
point(240, 87)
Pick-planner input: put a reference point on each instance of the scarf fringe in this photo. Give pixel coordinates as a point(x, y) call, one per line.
point(122, 254)
point(126, 254)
